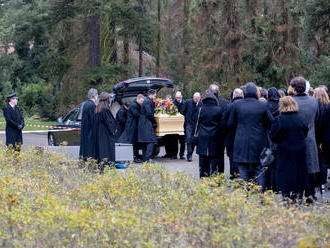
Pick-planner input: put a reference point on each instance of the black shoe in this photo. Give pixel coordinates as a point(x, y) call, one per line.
point(138, 161)
point(181, 157)
point(166, 156)
point(189, 159)
point(174, 157)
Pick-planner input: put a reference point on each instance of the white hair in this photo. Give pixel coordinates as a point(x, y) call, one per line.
point(197, 94)
point(238, 93)
point(178, 94)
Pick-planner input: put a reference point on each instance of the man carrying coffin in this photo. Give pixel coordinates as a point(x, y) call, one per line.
point(147, 125)
point(14, 123)
point(87, 144)
point(179, 103)
point(130, 133)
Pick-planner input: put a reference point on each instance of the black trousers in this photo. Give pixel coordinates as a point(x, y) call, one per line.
point(190, 149)
point(171, 145)
point(182, 145)
point(252, 171)
point(233, 168)
point(208, 165)
point(148, 150)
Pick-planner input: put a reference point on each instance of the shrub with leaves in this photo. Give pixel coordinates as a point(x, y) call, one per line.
point(49, 201)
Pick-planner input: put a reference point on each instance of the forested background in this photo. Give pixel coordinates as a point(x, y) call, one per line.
point(52, 51)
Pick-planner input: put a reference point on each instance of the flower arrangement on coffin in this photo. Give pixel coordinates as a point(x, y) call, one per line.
point(165, 107)
point(168, 118)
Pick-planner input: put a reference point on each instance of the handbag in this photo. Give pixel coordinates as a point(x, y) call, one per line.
point(266, 157)
point(194, 139)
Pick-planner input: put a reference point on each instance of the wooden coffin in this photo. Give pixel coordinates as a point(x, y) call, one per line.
point(169, 124)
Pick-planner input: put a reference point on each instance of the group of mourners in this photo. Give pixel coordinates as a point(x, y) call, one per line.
point(293, 124)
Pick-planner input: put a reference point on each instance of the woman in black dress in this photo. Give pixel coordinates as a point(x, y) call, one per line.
point(105, 131)
point(289, 131)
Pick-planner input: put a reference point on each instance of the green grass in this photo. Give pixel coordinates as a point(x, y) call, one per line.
point(31, 122)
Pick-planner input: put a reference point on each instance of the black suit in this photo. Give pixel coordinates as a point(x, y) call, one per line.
point(180, 106)
point(14, 125)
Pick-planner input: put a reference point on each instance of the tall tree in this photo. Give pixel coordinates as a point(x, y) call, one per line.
point(94, 41)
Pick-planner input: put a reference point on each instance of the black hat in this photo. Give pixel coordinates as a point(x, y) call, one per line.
point(13, 95)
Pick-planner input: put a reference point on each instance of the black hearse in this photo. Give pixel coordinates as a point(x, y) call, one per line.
point(122, 92)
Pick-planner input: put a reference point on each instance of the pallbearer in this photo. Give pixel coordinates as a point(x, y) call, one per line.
point(179, 103)
point(130, 134)
point(147, 125)
point(14, 123)
point(87, 144)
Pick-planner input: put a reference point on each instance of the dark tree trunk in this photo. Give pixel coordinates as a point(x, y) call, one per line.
point(140, 55)
point(141, 43)
point(126, 43)
point(285, 19)
point(94, 41)
point(185, 37)
point(158, 38)
point(113, 43)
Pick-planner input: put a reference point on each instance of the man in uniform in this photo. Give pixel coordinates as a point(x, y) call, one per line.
point(87, 144)
point(14, 123)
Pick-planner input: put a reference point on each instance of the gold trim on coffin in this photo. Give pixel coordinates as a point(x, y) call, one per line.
point(169, 124)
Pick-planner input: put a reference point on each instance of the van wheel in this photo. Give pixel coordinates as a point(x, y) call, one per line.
point(51, 140)
point(156, 150)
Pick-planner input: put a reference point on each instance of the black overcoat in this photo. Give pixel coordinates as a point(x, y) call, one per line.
point(121, 118)
point(229, 134)
point(179, 105)
point(250, 120)
point(190, 116)
point(87, 139)
point(309, 109)
point(105, 133)
point(147, 122)
point(209, 128)
point(289, 131)
point(14, 119)
point(130, 134)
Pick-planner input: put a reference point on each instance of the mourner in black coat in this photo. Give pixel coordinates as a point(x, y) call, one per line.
point(273, 107)
point(250, 119)
point(230, 133)
point(147, 125)
point(121, 117)
point(209, 133)
point(14, 123)
point(130, 134)
point(191, 108)
point(87, 137)
point(105, 131)
point(223, 103)
point(179, 103)
point(289, 131)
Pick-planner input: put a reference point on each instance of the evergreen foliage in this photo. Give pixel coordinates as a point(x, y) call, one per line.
point(50, 45)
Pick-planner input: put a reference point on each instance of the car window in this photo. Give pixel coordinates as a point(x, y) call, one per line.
point(79, 117)
point(71, 117)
